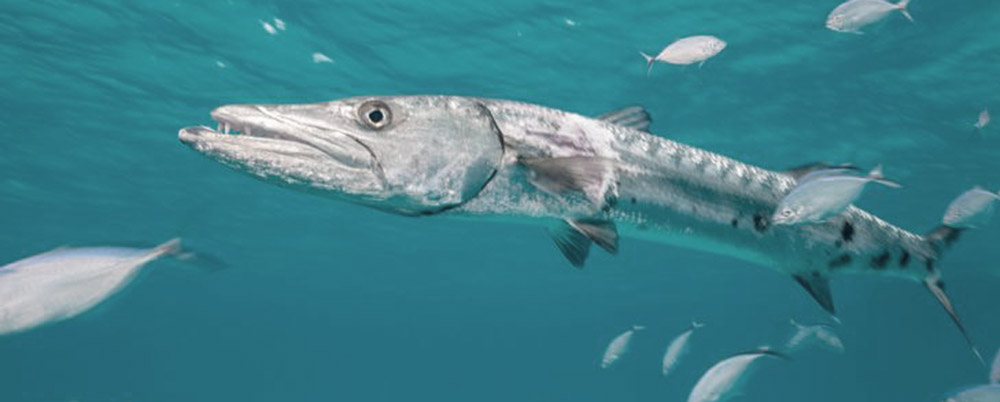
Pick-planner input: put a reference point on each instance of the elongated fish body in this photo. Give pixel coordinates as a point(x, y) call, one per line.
point(725, 379)
point(854, 15)
point(66, 282)
point(618, 347)
point(589, 180)
point(972, 209)
point(982, 393)
point(995, 369)
point(677, 349)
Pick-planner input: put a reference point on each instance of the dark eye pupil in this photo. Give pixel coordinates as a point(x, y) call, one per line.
point(375, 116)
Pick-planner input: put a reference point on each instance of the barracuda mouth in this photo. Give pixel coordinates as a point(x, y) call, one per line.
point(264, 143)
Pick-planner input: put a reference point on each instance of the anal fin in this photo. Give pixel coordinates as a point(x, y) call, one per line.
point(573, 237)
point(602, 232)
point(819, 287)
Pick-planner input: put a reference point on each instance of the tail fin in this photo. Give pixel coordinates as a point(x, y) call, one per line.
point(940, 239)
point(172, 248)
point(876, 176)
point(638, 327)
point(649, 62)
point(696, 324)
point(902, 8)
point(936, 287)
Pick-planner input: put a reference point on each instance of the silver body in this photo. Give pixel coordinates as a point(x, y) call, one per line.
point(677, 349)
point(724, 380)
point(496, 159)
point(972, 209)
point(64, 283)
point(618, 347)
point(853, 15)
point(982, 393)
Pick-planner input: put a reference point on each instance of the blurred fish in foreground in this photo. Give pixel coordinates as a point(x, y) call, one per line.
point(824, 194)
point(66, 282)
point(981, 393)
point(724, 380)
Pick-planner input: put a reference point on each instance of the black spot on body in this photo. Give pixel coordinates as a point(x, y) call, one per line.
point(759, 222)
point(880, 261)
point(632, 200)
point(904, 259)
point(929, 264)
point(840, 261)
point(847, 232)
point(734, 223)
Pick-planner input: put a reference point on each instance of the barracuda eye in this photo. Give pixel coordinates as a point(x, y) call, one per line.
point(375, 114)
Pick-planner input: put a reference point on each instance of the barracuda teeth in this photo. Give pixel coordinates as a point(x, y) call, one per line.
point(246, 131)
point(218, 127)
point(226, 127)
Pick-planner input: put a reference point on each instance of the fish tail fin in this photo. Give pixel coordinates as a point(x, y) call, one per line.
point(649, 62)
point(172, 248)
point(902, 8)
point(638, 327)
point(876, 176)
point(940, 239)
point(696, 324)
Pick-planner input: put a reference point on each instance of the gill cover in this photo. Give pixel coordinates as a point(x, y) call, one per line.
point(434, 153)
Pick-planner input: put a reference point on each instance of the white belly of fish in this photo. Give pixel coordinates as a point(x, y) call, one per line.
point(59, 285)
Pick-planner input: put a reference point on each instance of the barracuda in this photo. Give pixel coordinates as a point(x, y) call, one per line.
point(590, 180)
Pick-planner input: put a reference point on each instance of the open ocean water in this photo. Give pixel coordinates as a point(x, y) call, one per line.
point(330, 301)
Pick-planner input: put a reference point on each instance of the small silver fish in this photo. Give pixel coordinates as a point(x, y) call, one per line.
point(684, 51)
point(983, 120)
point(853, 15)
point(824, 194)
point(982, 393)
point(66, 282)
point(725, 378)
point(678, 348)
point(972, 209)
point(618, 347)
point(806, 335)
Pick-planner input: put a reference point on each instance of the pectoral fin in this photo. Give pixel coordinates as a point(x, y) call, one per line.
point(634, 117)
point(574, 236)
point(591, 176)
point(819, 287)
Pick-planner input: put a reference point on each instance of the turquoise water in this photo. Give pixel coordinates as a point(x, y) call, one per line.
point(330, 301)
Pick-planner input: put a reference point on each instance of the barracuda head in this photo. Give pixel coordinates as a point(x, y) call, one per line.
point(415, 155)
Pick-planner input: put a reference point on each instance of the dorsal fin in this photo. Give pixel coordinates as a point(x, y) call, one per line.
point(819, 287)
point(634, 117)
point(593, 177)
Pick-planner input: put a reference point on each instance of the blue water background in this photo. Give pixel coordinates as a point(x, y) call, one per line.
point(330, 301)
